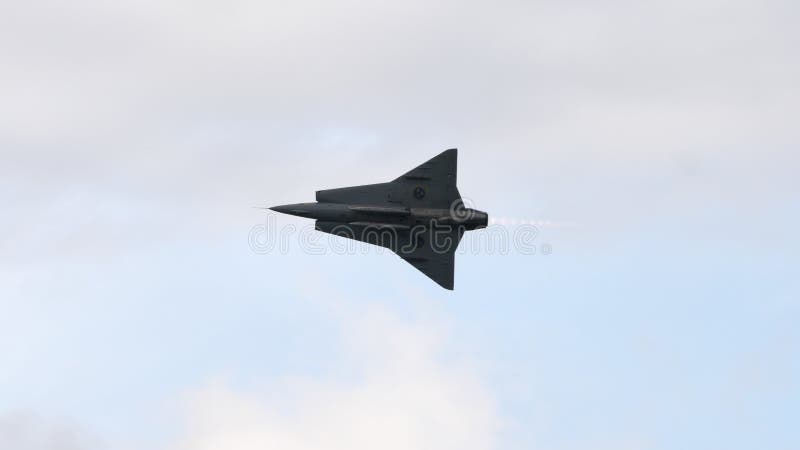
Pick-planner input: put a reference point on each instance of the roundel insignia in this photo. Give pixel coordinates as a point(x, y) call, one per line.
point(419, 192)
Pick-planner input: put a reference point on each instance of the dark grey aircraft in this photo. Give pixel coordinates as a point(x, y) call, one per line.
point(420, 215)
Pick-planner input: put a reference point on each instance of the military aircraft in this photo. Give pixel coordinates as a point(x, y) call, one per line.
point(420, 215)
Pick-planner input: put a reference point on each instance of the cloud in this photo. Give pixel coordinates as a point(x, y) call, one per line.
point(20, 431)
point(150, 119)
point(132, 124)
point(406, 394)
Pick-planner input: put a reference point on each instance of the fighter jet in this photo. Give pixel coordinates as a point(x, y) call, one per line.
point(420, 215)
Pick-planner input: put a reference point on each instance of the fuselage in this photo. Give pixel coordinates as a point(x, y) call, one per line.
point(469, 219)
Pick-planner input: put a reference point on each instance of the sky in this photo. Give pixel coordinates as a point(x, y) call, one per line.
point(145, 304)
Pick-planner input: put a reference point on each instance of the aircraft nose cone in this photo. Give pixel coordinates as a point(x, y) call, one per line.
point(284, 209)
point(298, 209)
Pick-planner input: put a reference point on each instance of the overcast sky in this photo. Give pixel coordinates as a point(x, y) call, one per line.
point(658, 141)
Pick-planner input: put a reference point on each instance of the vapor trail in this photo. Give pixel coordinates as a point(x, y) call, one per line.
point(514, 221)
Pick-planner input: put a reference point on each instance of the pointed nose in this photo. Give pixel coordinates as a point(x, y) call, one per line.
point(284, 209)
point(297, 209)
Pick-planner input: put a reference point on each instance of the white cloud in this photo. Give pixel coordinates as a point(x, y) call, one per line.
point(131, 123)
point(405, 395)
point(19, 431)
point(126, 118)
